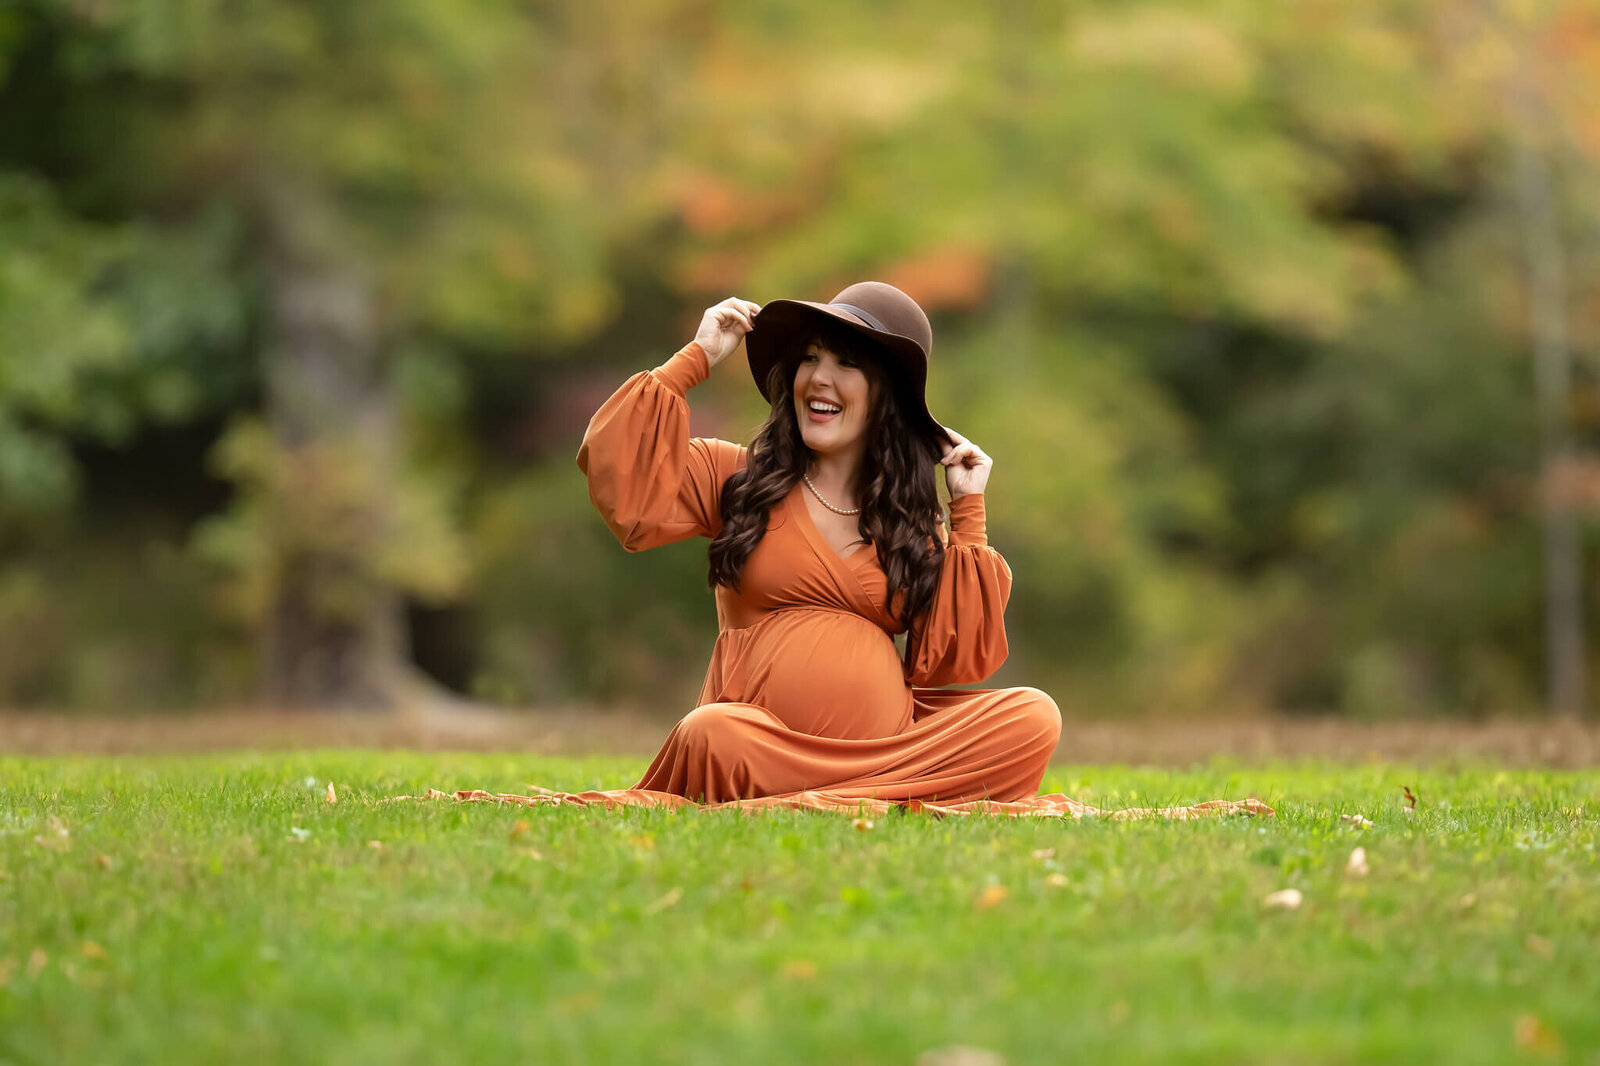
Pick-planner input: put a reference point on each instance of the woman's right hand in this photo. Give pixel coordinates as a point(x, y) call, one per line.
point(724, 326)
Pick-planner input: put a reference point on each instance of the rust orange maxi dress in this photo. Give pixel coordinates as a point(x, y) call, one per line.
point(806, 691)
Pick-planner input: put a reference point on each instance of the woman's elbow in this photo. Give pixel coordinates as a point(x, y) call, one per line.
point(633, 534)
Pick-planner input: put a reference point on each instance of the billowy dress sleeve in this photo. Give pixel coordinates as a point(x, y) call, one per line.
point(962, 637)
point(650, 481)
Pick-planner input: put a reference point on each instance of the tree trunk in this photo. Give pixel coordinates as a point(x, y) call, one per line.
point(335, 633)
point(1547, 284)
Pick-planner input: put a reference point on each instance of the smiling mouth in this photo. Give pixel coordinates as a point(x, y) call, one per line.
point(823, 407)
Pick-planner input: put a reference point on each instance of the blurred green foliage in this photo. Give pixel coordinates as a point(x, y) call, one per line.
point(1236, 295)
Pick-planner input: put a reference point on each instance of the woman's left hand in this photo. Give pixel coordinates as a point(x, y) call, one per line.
point(966, 467)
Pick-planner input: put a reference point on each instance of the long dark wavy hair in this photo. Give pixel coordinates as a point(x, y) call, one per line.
point(896, 486)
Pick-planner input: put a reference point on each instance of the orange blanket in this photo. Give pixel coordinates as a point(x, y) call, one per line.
point(1054, 805)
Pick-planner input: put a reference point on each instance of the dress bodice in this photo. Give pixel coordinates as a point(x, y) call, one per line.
point(793, 567)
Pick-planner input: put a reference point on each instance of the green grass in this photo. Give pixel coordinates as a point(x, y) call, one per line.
point(182, 919)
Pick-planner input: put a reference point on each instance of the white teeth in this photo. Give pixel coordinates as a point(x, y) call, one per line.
point(822, 407)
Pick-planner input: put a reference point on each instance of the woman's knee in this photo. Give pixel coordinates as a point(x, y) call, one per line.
point(712, 725)
point(1040, 712)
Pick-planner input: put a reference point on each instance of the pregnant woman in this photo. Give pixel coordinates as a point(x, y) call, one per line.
point(827, 541)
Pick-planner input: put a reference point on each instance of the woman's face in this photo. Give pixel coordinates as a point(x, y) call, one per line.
point(832, 401)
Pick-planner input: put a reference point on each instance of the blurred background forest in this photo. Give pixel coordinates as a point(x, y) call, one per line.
point(1281, 322)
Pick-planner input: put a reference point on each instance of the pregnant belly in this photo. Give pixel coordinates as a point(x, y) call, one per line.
point(827, 673)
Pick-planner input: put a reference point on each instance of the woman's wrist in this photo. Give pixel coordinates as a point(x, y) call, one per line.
point(686, 369)
point(968, 523)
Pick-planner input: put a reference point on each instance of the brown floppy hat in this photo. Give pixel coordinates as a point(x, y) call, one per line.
point(875, 310)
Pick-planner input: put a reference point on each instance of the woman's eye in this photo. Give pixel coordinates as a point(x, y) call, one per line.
point(846, 361)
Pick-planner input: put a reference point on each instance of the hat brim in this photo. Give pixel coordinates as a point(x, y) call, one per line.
point(780, 323)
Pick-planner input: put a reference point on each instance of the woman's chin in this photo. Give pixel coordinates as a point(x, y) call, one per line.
point(821, 443)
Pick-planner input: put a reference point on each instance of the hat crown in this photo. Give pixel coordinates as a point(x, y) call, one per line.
point(895, 311)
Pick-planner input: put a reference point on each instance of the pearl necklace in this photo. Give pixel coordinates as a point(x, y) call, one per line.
point(825, 503)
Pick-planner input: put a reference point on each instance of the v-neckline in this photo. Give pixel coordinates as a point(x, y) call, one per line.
point(798, 502)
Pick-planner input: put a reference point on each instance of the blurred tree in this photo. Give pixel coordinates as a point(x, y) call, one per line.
point(394, 197)
point(1240, 297)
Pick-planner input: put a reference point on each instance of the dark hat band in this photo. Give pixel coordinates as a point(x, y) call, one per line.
point(865, 316)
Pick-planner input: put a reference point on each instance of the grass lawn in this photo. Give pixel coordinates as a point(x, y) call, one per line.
point(218, 908)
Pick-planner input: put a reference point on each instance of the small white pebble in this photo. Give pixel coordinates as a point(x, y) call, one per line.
point(1284, 899)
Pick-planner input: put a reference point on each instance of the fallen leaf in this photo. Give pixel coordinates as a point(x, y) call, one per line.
point(665, 901)
point(1044, 854)
point(333, 797)
point(991, 897)
point(1356, 821)
point(104, 862)
point(375, 845)
point(91, 950)
point(1540, 946)
point(1057, 880)
point(59, 837)
point(578, 1002)
point(960, 1055)
point(519, 827)
point(863, 824)
point(800, 969)
point(1469, 901)
point(1284, 899)
point(1357, 866)
point(1532, 1034)
point(37, 960)
point(1411, 798)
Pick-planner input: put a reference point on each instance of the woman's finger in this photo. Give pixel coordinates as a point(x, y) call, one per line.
point(748, 308)
point(961, 452)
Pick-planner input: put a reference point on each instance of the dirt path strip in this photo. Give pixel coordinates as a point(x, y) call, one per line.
point(578, 730)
